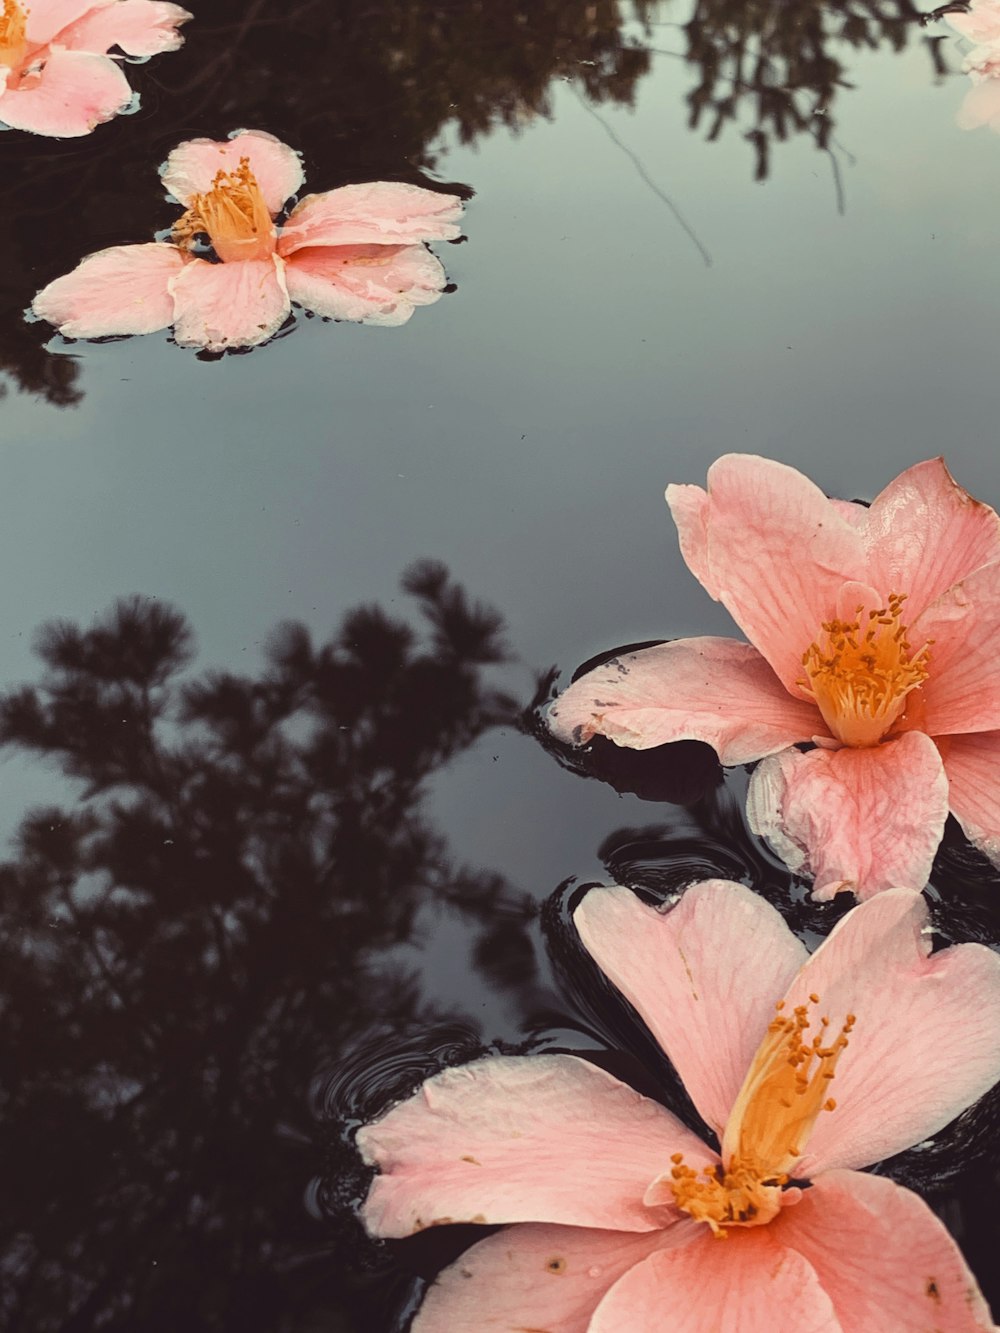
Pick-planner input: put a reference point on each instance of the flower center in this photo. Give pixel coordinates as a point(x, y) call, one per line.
point(13, 42)
point(860, 677)
point(232, 214)
point(782, 1095)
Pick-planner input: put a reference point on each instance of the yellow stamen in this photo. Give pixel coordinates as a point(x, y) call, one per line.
point(860, 676)
point(13, 42)
point(232, 214)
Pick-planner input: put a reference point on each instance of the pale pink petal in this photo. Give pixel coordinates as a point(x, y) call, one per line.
point(546, 1138)
point(926, 1043)
point(71, 94)
point(193, 165)
point(217, 306)
point(980, 106)
point(747, 1283)
point(138, 27)
point(777, 553)
point(714, 690)
point(962, 690)
point(376, 213)
point(876, 1249)
point(116, 291)
point(854, 513)
point(538, 1277)
point(924, 533)
point(857, 820)
point(704, 976)
point(45, 19)
point(689, 508)
point(371, 284)
point(972, 764)
point(981, 24)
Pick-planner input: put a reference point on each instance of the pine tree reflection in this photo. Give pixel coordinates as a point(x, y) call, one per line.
point(212, 920)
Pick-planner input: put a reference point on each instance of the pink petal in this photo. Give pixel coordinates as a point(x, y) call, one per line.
point(981, 25)
point(229, 305)
point(926, 1043)
point(71, 94)
point(776, 555)
point(537, 1277)
point(857, 820)
point(546, 1138)
point(704, 976)
point(924, 533)
point(371, 284)
point(715, 690)
point(878, 1248)
point(116, 291)
point(689, 508)
point(962, 691)
point(47, 18)
point(980, 106)
point(138, 27)
point(748, 1283)
point(852, 512)
point(972, 764)
point(376, 213)
point(192, 166)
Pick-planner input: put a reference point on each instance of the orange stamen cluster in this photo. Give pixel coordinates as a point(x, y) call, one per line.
point(13, 41)
point(860, 677)
point(232, 214)
point(786, 1088)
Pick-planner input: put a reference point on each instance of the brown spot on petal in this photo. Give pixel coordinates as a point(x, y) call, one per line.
point(474, 1160)
point(932, 1290)
point(557, 1265)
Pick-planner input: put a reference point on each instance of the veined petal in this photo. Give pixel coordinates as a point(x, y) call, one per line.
point(749, 1283)
point(139, 27)
point(217, 306)
point(972, 764)
point(72, 93)
point(706, 689)
point(689, 507)
point(926, 1041)
point(878, 1248)
point(375, 213)
point(858, 820)
point(962, 690)
point(45, 19)
point(370, 284)
point(704, 976)
point(124, 289)
point(193, 165)
point(546, 1138)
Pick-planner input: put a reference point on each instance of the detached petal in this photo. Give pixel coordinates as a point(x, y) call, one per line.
point(193, 165)
point(138, 27)
point(707, 689)
point(748, 1282)
point(121, 290)
point(962, 691)
point(217, 306)
point(877, 1249)
point(370, 284)
point(926, 1043)
point(72, 93)
point(858, 820)
point(972, 764)
point(537, 1277)
point(376, 213)
point(704, 976)
point(546, 1138)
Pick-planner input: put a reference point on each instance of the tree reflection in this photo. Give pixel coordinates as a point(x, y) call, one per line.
point(217, 916)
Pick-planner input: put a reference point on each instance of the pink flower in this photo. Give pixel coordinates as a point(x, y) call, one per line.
point(356, 253)
point(874, 634)
point(620, 1208)
point(56, 76)
point(980, 24)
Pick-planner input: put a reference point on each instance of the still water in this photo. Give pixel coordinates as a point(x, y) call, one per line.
point(281, 836)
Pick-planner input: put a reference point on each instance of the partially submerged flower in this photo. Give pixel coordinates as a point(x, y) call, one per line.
point(56, 76)
point(874, 635)
point(805, 1068)
point(228, 275)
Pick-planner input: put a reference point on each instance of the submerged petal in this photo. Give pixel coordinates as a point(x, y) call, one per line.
point(707, 689)
point(124, 289)
point(72, 93)
point(138, 27)
point(704, 976)
point(217, 306)
point(547, 1138)
point(370, 284)
point(376, 213)
point(858, 820)
point(193, 166)
point(972, 764)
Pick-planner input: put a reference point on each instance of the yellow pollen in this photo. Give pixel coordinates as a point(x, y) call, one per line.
point(13, 42)
point(782, 1096)
point(232, 214)
point(862, 670)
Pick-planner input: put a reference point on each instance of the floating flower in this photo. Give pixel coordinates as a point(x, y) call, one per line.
point(56, 76)
point(356, 253)
point(806, 1068)
point(874, 634)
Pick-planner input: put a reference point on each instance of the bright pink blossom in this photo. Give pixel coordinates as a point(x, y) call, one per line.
point(56, 76)
point(805, 1068)
point(874, 634)
point(356, 253)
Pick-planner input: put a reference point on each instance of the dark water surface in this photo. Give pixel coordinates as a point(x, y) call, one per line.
point(280, 840)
